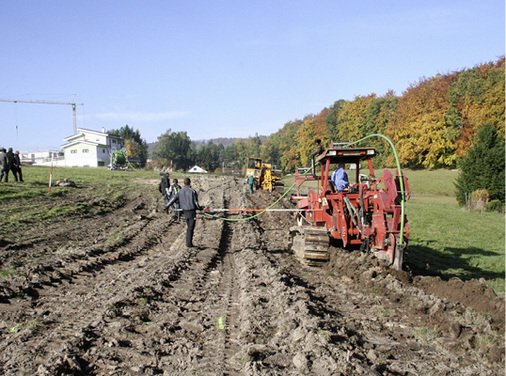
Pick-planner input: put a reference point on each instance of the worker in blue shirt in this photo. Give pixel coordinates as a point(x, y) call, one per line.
point(340, 177)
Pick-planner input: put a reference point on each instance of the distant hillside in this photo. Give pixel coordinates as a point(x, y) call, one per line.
point(225, 141)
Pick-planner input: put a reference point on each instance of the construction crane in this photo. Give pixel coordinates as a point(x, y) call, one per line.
point(73, 104)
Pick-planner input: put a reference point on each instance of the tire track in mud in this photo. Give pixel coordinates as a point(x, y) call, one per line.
point(223, 297)
point(209, 289)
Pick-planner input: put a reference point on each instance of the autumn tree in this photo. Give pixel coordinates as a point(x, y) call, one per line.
point(419, 130)
point(287, 144)
point(332, 120)
point(477, 97)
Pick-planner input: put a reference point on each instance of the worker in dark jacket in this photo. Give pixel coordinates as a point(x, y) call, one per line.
point(4, 165)
point(10, 161)
point(16, 167)
point(163, 187)
point(189, 203)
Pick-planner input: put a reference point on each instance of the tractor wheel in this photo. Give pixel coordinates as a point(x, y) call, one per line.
point(311, 245)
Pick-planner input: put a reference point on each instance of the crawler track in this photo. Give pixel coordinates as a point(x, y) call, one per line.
point(128, 298)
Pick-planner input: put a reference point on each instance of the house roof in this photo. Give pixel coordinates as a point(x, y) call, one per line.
point(85, 142)
point(81, 132)
point(197, 169)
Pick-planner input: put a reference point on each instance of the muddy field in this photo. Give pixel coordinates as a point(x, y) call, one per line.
point(118, 293)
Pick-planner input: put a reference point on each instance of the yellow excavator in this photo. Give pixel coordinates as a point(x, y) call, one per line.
point(267, 177)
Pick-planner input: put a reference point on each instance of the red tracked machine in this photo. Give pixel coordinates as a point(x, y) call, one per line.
point(369, 214)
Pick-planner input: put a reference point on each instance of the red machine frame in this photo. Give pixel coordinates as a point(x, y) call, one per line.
point(364, 214)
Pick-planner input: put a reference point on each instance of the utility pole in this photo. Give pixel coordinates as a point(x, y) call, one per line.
point(73, 104)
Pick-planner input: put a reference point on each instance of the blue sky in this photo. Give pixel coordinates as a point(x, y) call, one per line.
point(221, 68)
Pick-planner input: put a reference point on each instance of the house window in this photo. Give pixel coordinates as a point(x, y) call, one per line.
point(113, 141)
point(86, 150)
point(74, 151)
point(103, 151)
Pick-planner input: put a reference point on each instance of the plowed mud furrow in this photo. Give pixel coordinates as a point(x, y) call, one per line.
point(122, 295)
point(65, 257)
point(69, 309)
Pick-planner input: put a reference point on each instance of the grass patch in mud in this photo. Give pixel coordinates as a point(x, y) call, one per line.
point(7, 273)
point(98, 190)
point(427, 335)
point(34, 325)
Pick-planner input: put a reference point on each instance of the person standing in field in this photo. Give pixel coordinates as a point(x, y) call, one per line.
point(189, 203)
point(10, 162)
point(16, 167)
point(173, 190)
point(163, 187)
point(251, 182)
point(4, 165)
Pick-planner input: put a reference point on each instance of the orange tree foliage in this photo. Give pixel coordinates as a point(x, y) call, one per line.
point(363, 117)
point(437, 118)
point(419, 129)
point(476, 98)
point(281, 145)
point(431, 124)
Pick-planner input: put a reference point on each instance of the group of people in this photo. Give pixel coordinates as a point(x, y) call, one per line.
point(180, 200)
point(10, 161)
point(168, 191)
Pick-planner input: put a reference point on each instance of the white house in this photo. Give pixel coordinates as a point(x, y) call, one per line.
point(197, 170)
point(90, 148)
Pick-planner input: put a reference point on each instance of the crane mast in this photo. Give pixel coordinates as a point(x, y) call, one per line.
point(73, 104)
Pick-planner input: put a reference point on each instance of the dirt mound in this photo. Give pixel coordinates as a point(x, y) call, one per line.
point(474, 294)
